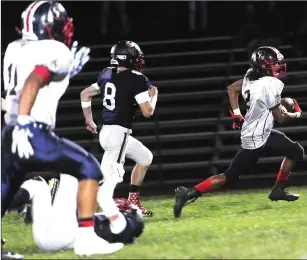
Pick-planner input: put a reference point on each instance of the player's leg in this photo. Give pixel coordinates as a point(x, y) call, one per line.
point(61, 227)
point(11, 176)
point(113, 140)
point(22, 200)
point(243, 161)
point(10, 182)
point(61, 155)
point(293, 152)
point(139, 153)
point(89, 174)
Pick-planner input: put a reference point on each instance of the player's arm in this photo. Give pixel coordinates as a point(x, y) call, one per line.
point(38, 78)
point(281, 115)
point(55, 69)
point(147, 101)
point(234, 91)
point(272, 100)
point(86, 104)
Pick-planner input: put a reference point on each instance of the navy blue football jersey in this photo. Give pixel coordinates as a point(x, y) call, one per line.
point(118, 92)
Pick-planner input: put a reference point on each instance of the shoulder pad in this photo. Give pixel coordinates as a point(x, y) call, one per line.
point(106, 74)
point(141, 74)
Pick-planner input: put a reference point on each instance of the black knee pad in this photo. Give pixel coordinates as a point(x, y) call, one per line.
point(297, 152)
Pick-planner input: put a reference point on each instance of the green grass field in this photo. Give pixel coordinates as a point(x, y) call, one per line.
point(224, 225)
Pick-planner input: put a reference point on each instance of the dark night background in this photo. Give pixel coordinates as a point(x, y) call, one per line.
point(180, 157)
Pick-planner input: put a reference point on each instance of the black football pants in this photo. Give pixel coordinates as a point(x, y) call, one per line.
point(246, 159)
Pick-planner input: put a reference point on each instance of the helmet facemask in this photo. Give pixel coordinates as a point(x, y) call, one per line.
point(276, 69)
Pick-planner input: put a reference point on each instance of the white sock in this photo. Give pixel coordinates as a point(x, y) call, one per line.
point(118, 225)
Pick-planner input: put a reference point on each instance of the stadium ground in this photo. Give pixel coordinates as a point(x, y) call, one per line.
point(225, 225)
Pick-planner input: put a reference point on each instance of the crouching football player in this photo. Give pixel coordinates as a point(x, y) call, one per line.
point(261, 90)
point(55, 221)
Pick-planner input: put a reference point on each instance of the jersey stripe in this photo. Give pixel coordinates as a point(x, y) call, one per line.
point(30, 13)
point(123, 147)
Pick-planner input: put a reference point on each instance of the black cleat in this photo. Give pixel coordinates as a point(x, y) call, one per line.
point(7, 254)
point(3, 241)
point(278, 193)
point(182, 196)
point(25, 212)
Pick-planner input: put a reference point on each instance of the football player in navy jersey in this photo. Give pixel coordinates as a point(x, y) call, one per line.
point(121, 87)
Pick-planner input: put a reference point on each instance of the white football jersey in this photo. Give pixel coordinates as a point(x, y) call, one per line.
point(261, 96)
point(20, 59)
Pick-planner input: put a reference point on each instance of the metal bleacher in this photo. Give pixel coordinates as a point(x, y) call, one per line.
point(190, 134)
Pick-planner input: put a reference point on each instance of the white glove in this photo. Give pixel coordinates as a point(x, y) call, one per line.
point(81, 57)
point(21, 135)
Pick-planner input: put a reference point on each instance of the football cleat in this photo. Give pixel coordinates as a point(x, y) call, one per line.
point(7, 254)
point(145, 212)
point(25, 212)
point(134, 198)
point(184, 196)
point(278, 193)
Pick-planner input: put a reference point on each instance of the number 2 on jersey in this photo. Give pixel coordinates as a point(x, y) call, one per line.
point(247, 99)
point(109, 96)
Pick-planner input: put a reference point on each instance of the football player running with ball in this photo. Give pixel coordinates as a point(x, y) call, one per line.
point(121, 87)
point(261, 90)
point(36, 71)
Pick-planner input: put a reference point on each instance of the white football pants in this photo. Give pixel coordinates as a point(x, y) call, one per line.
point(118, 144)
point(54, 226)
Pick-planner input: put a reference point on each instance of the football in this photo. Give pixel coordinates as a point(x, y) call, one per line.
point(288, 103)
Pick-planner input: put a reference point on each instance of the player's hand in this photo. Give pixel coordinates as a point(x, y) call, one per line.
point(21, 135)
point(91, 126)
point(238, 120)
point(297, 109)
point(152, 91)
point(81, 57)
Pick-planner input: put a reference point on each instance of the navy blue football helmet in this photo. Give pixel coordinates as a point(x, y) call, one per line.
point(47, 20)
point(133, 215)
point(127, 54)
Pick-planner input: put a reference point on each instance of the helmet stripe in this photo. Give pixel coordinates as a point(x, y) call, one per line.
point(30, 13)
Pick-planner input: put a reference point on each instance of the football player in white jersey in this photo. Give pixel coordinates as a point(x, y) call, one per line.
point(123, 88)
point(53, 214)
point(261, 90)
point(36, 70)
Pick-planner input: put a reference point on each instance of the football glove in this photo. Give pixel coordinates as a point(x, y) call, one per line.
point(238, 120)
point(21, 135)
point(81, 57)
point(296, 106)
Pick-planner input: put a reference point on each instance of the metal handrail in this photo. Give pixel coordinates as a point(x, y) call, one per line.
point(188, 53)
point(202, 39)
point(190, 95)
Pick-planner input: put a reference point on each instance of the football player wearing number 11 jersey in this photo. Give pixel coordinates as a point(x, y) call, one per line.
point(121, 87)
point(261, 89)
